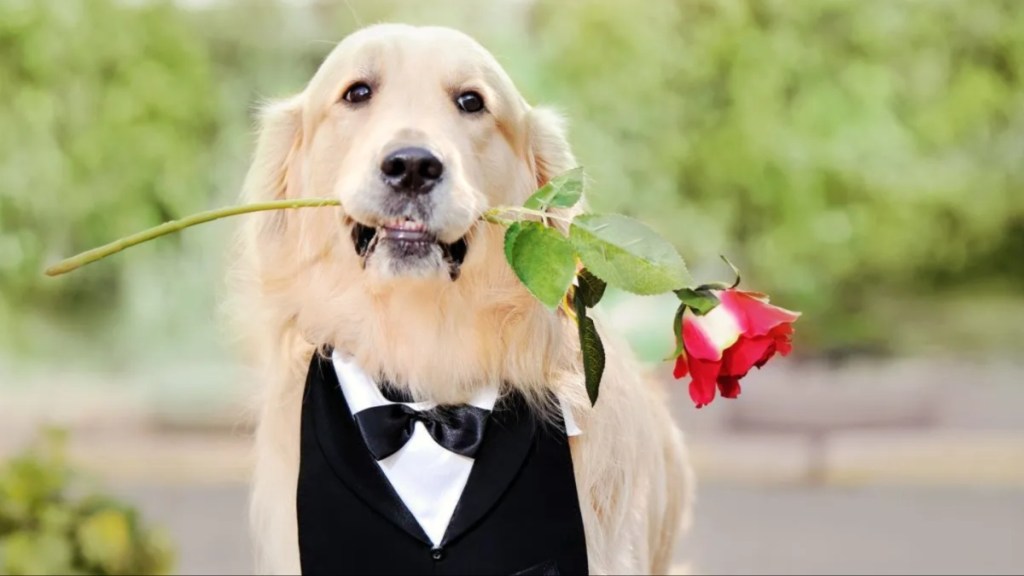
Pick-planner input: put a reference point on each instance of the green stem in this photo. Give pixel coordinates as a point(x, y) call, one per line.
point(735, 271)
point(492, 214)
point(116, 246)
point(493, 218)
point(89, 256)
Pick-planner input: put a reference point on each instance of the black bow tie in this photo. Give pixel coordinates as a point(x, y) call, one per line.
point(459, 429)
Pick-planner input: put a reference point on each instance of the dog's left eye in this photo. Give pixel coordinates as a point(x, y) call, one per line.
point(470, 102)
point(358, 92)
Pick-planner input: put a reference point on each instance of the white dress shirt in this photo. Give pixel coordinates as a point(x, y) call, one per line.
point(428, 478)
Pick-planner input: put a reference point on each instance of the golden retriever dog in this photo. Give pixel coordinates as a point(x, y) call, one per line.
point(440, 317)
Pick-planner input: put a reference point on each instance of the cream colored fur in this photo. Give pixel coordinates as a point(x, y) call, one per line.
point(300, 284)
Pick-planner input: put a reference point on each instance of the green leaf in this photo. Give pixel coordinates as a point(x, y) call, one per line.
point(591, 288)
point(156, 553)
point(105, 540)
point(35, 552)
point(591, 348)
point(562, 191)
point(510, 239)
point(627, 254)
point(542, 258)
point(677, 329)
point(701, 301)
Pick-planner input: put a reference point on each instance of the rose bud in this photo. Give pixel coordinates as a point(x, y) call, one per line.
point(721, 346)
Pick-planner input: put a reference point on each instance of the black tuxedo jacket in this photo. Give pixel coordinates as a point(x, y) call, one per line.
point(519, 512)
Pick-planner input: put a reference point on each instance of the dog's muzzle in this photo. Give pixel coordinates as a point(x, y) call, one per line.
point(408, 239)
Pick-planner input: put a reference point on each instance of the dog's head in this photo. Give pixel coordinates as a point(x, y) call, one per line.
point(417, 131)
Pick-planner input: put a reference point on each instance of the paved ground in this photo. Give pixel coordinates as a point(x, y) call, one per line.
point(799, 530)
point(738, 530)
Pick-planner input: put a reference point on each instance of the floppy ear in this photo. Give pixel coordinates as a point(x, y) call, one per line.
point(276, 170)
point(549, 149)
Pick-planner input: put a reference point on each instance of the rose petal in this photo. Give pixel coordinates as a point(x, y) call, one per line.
point(784, 346)
point(681, 368)
point(729, 386)
point(768, 353)
point(744, 355)
point(702, 386)
point(756, 317)
point(781, 335)
point(707, 336)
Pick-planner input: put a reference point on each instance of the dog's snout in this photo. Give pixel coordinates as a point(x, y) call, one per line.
point(411, 170)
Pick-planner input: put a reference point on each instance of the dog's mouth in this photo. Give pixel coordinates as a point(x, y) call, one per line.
point(409, 239)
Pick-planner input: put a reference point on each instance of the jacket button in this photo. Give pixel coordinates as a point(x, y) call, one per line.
point(437, 553)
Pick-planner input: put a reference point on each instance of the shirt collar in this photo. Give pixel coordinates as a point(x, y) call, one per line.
point(361, 392)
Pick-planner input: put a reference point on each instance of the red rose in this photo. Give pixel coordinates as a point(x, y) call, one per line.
point(720, 347)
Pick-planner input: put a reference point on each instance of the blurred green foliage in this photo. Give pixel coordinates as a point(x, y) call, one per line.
point(46, 528)
point(106, 113)
point(842, 152)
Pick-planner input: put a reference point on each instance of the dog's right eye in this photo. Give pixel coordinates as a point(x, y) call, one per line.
point(358, 92)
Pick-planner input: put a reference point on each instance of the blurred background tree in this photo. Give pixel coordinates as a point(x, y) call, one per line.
point(843, 152)
point(106, 115)
point(862, 160)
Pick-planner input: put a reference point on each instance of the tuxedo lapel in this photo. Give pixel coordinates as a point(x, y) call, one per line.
point(506, 444)
point(345, 451)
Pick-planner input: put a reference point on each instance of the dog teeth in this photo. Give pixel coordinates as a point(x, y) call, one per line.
point(406, 230)
point(408, 225)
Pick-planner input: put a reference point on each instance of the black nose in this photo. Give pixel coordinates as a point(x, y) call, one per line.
point(411, 170)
